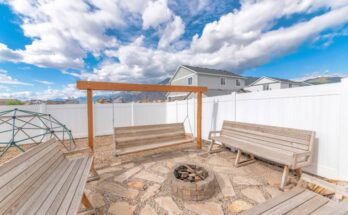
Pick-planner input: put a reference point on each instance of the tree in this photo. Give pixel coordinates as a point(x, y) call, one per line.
point(15, 102)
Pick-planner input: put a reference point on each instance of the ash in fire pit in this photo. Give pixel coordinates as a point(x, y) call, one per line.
point(192, 182)
point(190, 173)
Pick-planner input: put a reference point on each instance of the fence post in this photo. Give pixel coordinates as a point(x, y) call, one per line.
point(343, 147)
point(234, 100)
point(132, 113)
point(176, 111)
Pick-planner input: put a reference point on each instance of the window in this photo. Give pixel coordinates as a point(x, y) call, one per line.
point(223, 81)
point(238, 82)
point(266, 87)
point(189, 81)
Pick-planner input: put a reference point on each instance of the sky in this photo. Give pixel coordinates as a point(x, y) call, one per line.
point(47, 45)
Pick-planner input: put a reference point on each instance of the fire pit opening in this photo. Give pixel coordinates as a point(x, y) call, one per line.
point(190, 173)
point(192, 182)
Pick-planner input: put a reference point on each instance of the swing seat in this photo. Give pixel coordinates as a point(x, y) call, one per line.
point(134, 139)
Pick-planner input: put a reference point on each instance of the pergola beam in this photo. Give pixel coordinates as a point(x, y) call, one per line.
point(109, 86)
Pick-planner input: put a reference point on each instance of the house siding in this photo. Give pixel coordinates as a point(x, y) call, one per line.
point(214, 82)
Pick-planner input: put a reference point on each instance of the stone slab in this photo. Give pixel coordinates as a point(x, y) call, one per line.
point(254, 194)
point(147, 210)
point(168, 204)
point(116, 189)
point(205, 208)
point(145, 175)
point(127, 174)
point(150, 192)
point(225, 185)
point(123, 208)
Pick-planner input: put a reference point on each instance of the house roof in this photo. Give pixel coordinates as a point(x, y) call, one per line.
point(201, 70)
point(278, 79)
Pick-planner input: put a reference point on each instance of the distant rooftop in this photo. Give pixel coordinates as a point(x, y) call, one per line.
point(211, 71)
point(252, 80)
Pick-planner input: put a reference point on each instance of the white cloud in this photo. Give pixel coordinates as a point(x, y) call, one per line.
point(241, 39)
point(44, 82)
point(68, 91)
point(8, 80)
point(172, 32)
point(155, 13)
point(225, 44)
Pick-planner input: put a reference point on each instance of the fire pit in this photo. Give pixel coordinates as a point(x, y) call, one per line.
point(192, 182)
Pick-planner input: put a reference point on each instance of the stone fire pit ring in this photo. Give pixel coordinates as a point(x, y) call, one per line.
point(192, 191)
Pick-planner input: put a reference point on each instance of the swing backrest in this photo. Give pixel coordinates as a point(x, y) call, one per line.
point(148, 134)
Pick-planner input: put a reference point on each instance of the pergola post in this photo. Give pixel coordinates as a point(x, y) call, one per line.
point(199, 120)
point(90, 119)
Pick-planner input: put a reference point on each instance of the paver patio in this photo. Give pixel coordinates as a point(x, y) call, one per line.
point(138, 184)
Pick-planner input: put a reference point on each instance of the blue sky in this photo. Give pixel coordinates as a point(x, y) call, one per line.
point(46, 46)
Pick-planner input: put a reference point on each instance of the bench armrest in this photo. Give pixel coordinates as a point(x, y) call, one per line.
point(213, 132)
point(78, 153)
point(304, 155)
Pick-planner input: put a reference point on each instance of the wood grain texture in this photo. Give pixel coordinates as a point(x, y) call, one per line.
point(43, 181)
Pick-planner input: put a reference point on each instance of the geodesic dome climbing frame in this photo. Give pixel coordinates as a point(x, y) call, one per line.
point(21, 126)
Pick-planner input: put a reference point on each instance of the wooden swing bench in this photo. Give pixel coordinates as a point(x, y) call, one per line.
point(44, 180)
point(134, 139)
point(292, 148)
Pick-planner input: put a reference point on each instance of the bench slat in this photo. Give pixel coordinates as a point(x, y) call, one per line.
point(43, 181)
point(276, 155)
point(64, 207)
point(309, 206)
point(268, 139)
point(289, 132)
point(25, 179)
point(5, 167)
point(27, 196)
point(12, 173)
point(74, 205)
point(266, 143)
point(294, 202)
point(55, 196)
point(274, 136)
point(259, 209)
point(43, 194)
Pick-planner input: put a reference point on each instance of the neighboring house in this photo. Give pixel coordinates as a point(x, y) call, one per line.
point(270, 83)
point(219, 82)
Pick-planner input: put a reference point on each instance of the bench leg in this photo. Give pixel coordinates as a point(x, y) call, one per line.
point(211, 146)
point(298, 172)
point(90, 210)
point(236, 162)
point(94, 175)
point(284, 177)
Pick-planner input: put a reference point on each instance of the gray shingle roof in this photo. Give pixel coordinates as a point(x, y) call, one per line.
point(211, 71)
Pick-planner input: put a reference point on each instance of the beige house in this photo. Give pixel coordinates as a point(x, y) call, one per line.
point(268, 83)
point(219, 82)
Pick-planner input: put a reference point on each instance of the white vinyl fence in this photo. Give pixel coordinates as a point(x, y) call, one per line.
point(322, 108)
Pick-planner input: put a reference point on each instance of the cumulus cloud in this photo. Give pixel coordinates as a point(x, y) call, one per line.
point(246, 37)
point(155, 13)
point(172, 32)
point(68, 91)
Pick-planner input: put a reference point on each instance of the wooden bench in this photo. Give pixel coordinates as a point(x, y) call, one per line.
point(300, 201)
point(148, 137)
point(44, 180)
point(289, 147)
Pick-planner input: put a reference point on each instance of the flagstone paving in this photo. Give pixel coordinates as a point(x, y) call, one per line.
point(139, 184)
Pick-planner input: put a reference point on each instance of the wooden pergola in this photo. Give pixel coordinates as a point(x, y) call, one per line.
point(109, 86)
